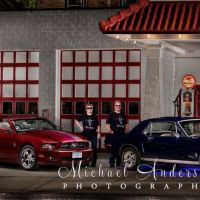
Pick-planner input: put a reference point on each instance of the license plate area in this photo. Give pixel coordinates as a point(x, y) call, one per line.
point(77, 155)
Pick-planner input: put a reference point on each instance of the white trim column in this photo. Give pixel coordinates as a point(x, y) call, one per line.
point(153, 83)
point(47, 83)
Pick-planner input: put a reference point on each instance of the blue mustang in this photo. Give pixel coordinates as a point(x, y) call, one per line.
point(168, 140)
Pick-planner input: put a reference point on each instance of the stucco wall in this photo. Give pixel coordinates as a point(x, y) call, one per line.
point(186, 65)
point(174, 68)
point(151, 83)
point(168, 81)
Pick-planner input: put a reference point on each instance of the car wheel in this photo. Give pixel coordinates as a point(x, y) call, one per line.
point(28, 158)
point(130, 158)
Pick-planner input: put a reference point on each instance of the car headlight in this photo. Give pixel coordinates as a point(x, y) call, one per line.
point(48, 147)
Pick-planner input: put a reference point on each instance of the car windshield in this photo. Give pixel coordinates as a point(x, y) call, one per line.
point(33, 124)
point(191, 127)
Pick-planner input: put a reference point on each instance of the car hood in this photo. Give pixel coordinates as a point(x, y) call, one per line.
point(55, 136)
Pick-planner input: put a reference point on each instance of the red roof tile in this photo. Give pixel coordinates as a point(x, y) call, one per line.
point(155, 17)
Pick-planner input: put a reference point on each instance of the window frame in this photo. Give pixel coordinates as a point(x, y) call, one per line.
point(175, 134)
point(68, 60)
point(26, 64)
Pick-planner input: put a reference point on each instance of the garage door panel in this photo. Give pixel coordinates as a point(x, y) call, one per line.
point(100, 77)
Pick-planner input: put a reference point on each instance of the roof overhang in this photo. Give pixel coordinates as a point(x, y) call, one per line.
point(155, 17)
point(168, 24)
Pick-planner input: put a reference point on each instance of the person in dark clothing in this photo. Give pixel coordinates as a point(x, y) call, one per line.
point(89, 126)
point(116, 125)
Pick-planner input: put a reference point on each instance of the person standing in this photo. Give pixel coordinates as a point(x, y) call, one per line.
point(89, 126)
point(117, 126)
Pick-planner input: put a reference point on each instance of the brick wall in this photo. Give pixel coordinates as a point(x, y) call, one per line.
point(47, 31)
point(55, 29)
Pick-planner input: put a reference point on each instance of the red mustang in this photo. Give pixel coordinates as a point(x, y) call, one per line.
point(37, 141)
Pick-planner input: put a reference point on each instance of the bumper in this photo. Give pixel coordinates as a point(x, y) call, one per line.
point(58, 158)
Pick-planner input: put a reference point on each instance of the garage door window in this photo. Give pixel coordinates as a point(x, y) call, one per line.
point(19, 83)
point(99, 77)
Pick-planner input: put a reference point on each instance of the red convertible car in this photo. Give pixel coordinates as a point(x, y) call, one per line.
point(37, 141)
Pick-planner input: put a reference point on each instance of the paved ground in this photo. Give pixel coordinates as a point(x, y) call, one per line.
point(46, 183)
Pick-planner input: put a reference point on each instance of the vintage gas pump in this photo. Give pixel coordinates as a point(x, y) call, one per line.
point(185, 102)
point(187, 106)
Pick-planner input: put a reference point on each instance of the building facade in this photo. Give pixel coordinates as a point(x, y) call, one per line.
point(53, 62)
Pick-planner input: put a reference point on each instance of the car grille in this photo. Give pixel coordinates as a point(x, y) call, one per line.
point(74, 145)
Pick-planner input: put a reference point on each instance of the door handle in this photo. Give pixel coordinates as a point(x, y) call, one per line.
point(150, 139)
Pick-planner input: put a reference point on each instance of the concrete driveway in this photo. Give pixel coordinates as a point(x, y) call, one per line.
point(53, 182)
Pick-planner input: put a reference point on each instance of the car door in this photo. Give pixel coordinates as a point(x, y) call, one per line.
point(149, 142)
point(7, 143)
point(160, 141)
point(177, 146)
point(167, 147)
point(189, 148)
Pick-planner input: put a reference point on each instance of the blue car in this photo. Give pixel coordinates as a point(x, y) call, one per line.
point(168, 140)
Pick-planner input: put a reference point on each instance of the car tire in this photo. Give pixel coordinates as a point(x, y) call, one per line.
point(130, 158)
point(28, 158)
